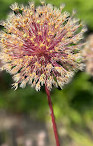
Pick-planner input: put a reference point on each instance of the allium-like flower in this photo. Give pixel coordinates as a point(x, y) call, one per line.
point(88, 54)
point(41, 45)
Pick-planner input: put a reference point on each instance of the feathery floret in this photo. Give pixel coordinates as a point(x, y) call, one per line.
point(88, 55)
point(41, 45)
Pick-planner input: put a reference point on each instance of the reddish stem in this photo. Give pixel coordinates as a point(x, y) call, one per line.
point(52, 116)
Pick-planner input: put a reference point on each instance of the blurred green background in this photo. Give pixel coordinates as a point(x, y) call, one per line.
point(73, 106)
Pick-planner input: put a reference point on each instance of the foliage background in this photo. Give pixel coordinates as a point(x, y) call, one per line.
point(73, 106)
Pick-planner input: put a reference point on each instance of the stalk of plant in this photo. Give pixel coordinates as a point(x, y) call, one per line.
point(52, 116)
point(41, 45)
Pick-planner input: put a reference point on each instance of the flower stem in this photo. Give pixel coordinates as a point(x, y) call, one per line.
point(52, 116)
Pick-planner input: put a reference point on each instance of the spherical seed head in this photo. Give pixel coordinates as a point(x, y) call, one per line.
point(88, 55)
point(41, 45)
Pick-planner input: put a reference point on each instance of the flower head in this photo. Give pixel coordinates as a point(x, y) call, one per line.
point(88, 54)
point(41, 45)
